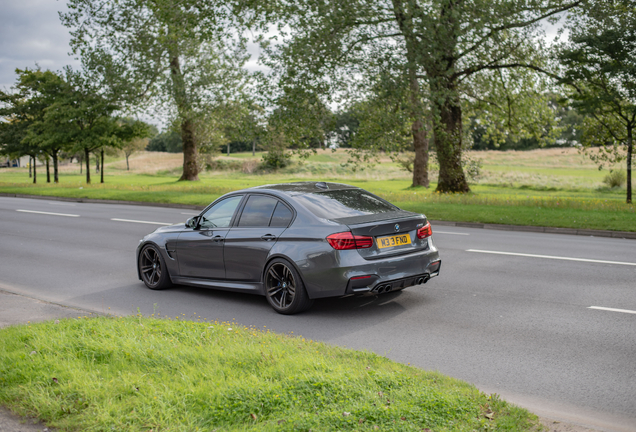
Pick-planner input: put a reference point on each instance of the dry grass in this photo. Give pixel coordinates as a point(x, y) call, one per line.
point(140, 163)
point(540, 158)
point(149, 162)
point(550, 169)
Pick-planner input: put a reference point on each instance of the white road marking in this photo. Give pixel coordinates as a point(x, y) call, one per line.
point(138, 221)
point(612, 309)
point(445, 232)
point(48, 213)
point(552, 257)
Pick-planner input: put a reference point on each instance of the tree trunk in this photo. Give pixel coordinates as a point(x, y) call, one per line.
point(448, 129)
point(127, 165)
point(35, 175)
point(102, 165)
point(190, 167)
point(96, 164)
point(48, 171)
point(630, 152)
point(55, 171)
point(30, 166)
point(420, 164)
point(420, 137)
point(228, 149)
point(88, 166)
point(254, 148)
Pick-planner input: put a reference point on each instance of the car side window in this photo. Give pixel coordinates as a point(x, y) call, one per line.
point(220, 214)
point(282, 216)
point(258, 211)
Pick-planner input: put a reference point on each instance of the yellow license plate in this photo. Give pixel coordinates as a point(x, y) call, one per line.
point(398, 240)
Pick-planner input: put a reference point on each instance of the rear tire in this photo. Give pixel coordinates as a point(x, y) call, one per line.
point(284, 289)
point(152, 268)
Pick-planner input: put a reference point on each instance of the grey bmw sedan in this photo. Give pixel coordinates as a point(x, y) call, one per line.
point(293, 243)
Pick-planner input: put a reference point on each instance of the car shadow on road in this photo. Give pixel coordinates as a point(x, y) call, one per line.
point(327, 318)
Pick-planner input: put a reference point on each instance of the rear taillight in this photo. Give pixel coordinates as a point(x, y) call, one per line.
point(346, 240)
point(425, 231)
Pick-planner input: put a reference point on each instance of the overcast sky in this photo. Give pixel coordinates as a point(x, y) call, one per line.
point(31, 32)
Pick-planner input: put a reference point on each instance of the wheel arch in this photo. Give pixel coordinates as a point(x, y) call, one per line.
point(289, 260)
point(162, 251)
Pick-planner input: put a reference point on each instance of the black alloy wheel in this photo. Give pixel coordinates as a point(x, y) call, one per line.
point(153, 268)
point(284, 288)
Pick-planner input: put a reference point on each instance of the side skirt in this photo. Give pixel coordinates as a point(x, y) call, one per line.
point(248, 287)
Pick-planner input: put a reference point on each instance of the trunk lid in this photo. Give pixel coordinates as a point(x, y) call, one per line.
point(394, 233)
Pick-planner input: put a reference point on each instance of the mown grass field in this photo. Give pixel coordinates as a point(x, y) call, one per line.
point(148, 374)
point(549, 187)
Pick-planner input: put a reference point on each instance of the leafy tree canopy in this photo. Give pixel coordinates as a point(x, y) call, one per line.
point(441, 53)
point(599, 64)
point(179, 55)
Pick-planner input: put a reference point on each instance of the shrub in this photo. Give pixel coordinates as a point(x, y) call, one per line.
point(276, 158)
point(615, 178)
point(472, 168)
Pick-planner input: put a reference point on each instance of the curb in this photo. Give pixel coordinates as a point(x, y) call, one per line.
point(500, 227)
point(101, 201)
point(538, 229)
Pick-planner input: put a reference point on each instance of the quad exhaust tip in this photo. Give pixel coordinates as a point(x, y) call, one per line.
point(389, 287)
point(384, 288)
point(423, 279)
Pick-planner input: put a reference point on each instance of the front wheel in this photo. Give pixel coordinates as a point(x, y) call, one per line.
point(152, 268)
point(284, 288)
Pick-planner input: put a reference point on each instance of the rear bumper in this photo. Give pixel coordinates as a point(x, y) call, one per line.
point(378, 286)
point(339, 273)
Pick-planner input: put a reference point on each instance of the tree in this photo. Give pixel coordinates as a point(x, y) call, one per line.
point(83, 117)
point(599, 63)
point(176, 54)
point(45, 131)
point(300, 121)
point(168, 141)
point(24, 111)
point(346, 126)
point(385, 123)
point(133, 146)
point(439, 46)
point(134, 137)
point(13, 130)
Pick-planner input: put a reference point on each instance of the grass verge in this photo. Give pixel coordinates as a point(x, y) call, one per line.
point(581, 209)
point(143, 373)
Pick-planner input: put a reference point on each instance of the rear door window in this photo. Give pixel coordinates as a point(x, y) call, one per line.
point(258, 211)
point(282, 216)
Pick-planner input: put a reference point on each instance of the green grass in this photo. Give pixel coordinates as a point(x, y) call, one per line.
point(143, 373)
point(552, 189)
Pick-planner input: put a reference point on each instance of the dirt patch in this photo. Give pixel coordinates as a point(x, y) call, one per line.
point(557, 426)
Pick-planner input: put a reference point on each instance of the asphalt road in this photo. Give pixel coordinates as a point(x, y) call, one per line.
point(518, 325)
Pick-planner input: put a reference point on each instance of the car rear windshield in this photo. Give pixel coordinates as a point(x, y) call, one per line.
point(344, 203)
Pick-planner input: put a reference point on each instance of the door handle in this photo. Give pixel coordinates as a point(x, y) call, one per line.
point(268, 237)
point(217, 238)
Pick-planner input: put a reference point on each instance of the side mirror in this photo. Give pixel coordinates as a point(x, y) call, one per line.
point(192, 222)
